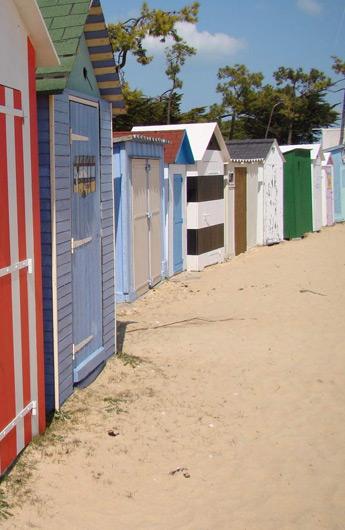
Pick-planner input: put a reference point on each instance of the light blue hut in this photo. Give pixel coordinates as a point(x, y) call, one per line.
point(139, 214)
point(338, 157)
point(178, 159)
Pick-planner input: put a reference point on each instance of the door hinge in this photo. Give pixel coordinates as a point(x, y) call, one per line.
point(32, 406)
point(16, 267)
point(77, 347)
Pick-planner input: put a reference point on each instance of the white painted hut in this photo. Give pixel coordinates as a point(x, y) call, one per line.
point(254, 194)
point(205, 192)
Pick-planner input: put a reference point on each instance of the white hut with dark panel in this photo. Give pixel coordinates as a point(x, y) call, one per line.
point(254, 196)
point(205, 192)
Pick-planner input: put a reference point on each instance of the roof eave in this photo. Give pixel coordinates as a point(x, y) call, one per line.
point(33, 20)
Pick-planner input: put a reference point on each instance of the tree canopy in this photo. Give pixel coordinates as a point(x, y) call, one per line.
point(128, 36)
point(290, 111)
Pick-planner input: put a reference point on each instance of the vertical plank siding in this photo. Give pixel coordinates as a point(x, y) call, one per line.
point(107, 226)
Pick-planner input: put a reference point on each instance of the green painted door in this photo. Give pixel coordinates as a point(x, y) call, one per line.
point(298, 213)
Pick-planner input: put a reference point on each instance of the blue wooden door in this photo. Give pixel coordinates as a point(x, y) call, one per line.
point(178, 224)
point(86, 239)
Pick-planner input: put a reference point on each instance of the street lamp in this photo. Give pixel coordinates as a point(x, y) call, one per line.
point(270, 118)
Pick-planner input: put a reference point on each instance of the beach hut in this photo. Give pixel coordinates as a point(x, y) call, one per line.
point(139, 214)
point(178, 157)
point(298, 202)
point(255, 193)
point(205, 192)
point(76, 104)
point(316, 157)
point(25, 43)
point(327, 190)
point(338, 157)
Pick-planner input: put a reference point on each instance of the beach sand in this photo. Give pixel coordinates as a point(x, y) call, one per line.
point(225, 411)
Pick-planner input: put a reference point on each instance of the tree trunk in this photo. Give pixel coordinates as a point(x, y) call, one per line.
point(289, 141)
point(169, 108)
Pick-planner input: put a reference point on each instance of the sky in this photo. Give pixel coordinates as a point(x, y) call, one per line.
point(262, 34)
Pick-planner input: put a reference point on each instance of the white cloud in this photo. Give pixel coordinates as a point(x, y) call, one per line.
point(312, 7)
point(210, 45)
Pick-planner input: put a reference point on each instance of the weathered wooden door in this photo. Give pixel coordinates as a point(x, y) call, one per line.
point(240, 210)
point(271, 211)
point(146, 203)
point(86, 238)
point(177, 224)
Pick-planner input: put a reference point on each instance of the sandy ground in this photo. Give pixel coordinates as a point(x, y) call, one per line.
point(232, 418)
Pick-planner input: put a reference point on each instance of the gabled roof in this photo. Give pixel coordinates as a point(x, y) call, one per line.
point(249, 150)
point(176, 140)
point(315, 149)
point(129, 136)
point(39, 35)
point(67, 21)
point(199, 135)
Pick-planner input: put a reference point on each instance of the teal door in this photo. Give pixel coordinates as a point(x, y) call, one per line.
point(86, 240)
point(178, 224)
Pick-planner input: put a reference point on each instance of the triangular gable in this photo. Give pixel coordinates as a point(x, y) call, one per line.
point(67, 22)
point(213, 144)
point(185, 155)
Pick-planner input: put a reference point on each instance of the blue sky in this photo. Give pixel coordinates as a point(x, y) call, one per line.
point(262, 34)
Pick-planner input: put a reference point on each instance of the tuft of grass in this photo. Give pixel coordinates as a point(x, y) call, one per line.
point(115, 403)
point(5, 508)
point(62, 415)
point(129, 360)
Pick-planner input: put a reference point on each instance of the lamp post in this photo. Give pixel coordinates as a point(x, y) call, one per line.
point(271, 115)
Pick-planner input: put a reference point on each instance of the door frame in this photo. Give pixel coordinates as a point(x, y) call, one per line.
point(244, 203)
point(173, 170)
point(131, 219)
point(86, 366)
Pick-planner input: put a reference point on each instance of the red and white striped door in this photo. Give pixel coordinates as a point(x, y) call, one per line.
point(19, 371)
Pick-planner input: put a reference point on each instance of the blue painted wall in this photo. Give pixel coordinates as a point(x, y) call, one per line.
point(44, 170)
point(63, 235)
point(339, 183)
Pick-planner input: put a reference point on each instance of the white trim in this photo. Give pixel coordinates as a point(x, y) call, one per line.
point(54, 256)
point(37, 30)
point(10, 111)
point(83, 101)
point(15, 284)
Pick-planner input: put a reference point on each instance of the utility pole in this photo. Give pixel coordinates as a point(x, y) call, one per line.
point(342, 125)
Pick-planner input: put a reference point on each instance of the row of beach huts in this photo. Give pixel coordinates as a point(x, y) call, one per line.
point(79, 202)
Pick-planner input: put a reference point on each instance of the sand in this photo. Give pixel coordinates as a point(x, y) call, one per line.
point(231, 418)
